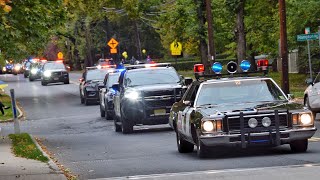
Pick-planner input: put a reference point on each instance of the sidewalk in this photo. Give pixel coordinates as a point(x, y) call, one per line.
point(16, 168)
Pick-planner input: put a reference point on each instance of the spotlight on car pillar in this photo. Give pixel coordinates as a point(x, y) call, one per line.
point(232, 67)
point(245, 65)
point(217, 67)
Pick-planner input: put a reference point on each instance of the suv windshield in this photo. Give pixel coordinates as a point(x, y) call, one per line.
point(151, 76)
point(239, 92)
point(53, 66)
point(96, 74)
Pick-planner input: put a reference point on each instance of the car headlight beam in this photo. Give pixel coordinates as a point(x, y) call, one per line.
point(34, 71)
point(133, 95)
point(305, 119)
point(208, 126)
point(47, 74)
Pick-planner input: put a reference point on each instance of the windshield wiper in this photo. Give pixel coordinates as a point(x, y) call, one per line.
point(208, 105)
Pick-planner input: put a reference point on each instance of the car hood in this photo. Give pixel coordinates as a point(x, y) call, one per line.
point(248, 107)
point(57, 70)
point(155, 87)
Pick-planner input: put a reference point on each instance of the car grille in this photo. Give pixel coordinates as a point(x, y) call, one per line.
point(163, 98)
point(233, 122)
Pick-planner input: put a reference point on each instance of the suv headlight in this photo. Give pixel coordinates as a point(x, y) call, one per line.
point(34, 71)
point(133, 95)
point(209, 126)
point(302, 119)
point(47, 74)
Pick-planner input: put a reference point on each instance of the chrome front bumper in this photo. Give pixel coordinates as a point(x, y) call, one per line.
point(286, 136)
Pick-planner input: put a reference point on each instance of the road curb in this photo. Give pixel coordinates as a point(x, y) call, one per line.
point(51, 164)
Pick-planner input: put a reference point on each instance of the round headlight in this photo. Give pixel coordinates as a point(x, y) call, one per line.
point(34, 71)
point(253, 122)
point(305, 119)
point(47, 73)
point(133, 95)
point(266, 121)
point(208, 126)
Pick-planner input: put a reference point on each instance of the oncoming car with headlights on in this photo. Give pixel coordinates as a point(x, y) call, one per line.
point(54, 72)
point(145, 94)
point(238, 111)
point(36, 70)
point(91, 82)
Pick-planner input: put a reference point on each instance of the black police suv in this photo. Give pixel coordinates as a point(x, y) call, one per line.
point(106, 95)
point(54, 72)
point(35, 71)
point(26, 69)
point(90, 84)
point(145, 94)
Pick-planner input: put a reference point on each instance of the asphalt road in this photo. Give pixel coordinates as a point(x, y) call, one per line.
point(88, 146)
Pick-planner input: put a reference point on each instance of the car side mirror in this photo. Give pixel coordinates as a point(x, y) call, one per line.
point(115, 87)
point(290, 96)
point(188, 81)
point(309, 81)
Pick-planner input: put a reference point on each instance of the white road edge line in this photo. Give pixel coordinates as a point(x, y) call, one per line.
point(204, 172)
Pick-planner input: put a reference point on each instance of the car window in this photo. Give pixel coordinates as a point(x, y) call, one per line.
point(113, 78)
point(239, 92)
point(53, 66)
point(155, 76)
point(96, 74)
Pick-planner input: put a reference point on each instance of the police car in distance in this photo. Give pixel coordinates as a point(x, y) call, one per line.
point(145, 94)
point(54, 72)
point(106, 94)
point(91, 83)
point(243, 111)
point(36, 70)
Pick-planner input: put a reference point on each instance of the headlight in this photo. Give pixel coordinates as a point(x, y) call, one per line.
point(208, 126)
point(305, 119)
point(4, 69)
point(266, 121)
point(47, 74)
point(17, 68)
point(133, 95)
point(253, 122)
point(34, 71)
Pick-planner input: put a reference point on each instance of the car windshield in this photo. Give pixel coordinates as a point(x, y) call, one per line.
point(96, 74)
point(112, 79)
point(242, 91)
point(53, 66)
point(154, 76)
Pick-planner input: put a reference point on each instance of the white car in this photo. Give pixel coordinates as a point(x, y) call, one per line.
point(312, 95)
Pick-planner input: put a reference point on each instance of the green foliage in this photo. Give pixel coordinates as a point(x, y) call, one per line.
point(6, 100)
point(23, 146)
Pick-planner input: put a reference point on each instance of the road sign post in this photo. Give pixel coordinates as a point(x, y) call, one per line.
point(309, 57)
point(14, 112)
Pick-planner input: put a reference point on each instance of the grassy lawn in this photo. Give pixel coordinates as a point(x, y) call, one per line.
point(23, 146)
point(6, 100)
point(296, 81)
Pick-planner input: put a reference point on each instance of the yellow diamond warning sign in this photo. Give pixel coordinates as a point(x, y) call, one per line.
point(176, 48)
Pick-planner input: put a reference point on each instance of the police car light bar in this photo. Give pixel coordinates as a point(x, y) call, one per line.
point(245, 65)
point(217, 68)
point(147, 65)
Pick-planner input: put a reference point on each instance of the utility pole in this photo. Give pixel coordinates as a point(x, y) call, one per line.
point(283, 47)
point(212, 52)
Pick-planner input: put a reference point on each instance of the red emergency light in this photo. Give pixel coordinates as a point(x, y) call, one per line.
point(198, 68)
point(262, 62)
point(59, 61)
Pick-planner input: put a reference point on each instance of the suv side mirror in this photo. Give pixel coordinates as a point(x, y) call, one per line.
point(115, 87)
point(188, 81)
point(309, 81)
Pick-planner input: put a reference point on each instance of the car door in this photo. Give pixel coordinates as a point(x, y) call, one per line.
point(183, 123)
point(103, 91)
point(314, 93)
point(82, 83)
point(118, 95)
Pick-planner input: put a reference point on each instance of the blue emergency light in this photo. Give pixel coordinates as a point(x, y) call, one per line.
point(217, 67)
point(245, 65)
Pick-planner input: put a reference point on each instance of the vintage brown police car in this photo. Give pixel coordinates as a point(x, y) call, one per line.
point(243, 111)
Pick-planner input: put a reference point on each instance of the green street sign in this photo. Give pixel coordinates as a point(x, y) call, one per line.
point(306, 37)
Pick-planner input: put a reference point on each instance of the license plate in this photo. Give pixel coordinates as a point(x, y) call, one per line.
point(56, 79)
point(159, 112)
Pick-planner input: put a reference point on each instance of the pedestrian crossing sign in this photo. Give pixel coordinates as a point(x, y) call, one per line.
point(176, 48)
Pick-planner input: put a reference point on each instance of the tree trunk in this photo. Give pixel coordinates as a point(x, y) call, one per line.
point(251, 58)
point(89, 60)
point(138, 40)
point(240, 32)
point(203, 47)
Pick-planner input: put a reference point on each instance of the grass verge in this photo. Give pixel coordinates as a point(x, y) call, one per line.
point(23, 146)
point(296, 81)
point(6, 100)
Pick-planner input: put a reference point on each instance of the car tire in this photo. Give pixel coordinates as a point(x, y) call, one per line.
point(183, 145)
point(66, 81)
point(109, 116)
point(15, 74)
point(31, 79)
point(44, 83)
point(86, 102)
point(127, 127)
point(102, 111)
point(202, 150)
point(299, 146)
point(306, 103)
point(117, 127)
point(25, 76)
